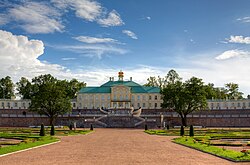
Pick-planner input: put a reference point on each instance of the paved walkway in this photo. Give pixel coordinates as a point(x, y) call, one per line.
point(113, 146)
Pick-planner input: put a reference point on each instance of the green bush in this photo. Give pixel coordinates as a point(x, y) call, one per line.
point(52, 130)
point(182, 131)
point(191, 131)
point(42, 130)
point(70, 126)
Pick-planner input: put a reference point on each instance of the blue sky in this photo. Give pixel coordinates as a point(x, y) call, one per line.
point(93, 40)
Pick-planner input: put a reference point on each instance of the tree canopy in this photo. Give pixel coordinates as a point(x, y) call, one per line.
point(6, 88)
point(49, 98)
point(184, 97)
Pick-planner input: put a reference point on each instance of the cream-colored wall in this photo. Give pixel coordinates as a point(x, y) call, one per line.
point(14, 104)
point(229, 104)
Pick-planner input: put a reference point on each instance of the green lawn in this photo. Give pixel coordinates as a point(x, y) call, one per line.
point(230, 154)
point(29, 137)
point(205, 140)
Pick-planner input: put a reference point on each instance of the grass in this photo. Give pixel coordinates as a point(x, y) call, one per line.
point(29, 137)
point(28, 144)
point(225, 153)
point(204, 141)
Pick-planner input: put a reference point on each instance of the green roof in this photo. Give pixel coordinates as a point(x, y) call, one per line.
point(106, 88)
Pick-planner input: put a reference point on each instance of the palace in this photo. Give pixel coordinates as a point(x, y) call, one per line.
point(119, 94)
point(126, 104)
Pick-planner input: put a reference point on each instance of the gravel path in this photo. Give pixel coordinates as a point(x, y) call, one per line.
point(113, 146)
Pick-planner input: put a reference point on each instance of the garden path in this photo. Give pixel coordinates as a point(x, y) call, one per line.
point(113, 146)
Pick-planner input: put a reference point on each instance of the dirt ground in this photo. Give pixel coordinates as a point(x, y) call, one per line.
point(114, 146)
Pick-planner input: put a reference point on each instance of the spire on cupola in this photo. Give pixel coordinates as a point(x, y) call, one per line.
point(120, 75)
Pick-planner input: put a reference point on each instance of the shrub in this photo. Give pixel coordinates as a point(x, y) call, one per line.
point(191, 131)
point(146, 127)
point(91, 127)
point(70, 127)
point(42, 130)
point(52, 130)
point(182, 131)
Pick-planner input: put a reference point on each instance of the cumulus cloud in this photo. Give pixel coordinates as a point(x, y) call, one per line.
point(239, 39)
point(36, 17)
point(130, 34)
point(232, 54)
point(19, 57)
point(113, 19)
point(91, 40)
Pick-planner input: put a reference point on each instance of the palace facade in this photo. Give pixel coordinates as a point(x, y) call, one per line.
point(119, 94)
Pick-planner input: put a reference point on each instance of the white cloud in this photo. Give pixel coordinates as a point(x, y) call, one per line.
point(148, 18)
point(130, 34)
point(3, 19)
point(91, 11)
point(93, 50)
point(232, 54)
point(244, 19)
point(113, 19)
point(91, 40)
point(68, 58)
point(35, 17)
point(239, 39)
point(85, 9)
point(19, 57)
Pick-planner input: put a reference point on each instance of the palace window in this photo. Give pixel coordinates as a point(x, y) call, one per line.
point(155, 105)
point(238, 104)
point(155, 97)
point(149, 104)
point(133, 97)
point(244, 104)
point(143, 105)
point(138, 98)
point(74, 104)
point(120, 97)
point(102, 97)
point(108, 97)
point(143, 97)
point(2, 104)
point(149, 97)
point(8, 104)
point(23, 104)
point(15, 104)
point(138, 105)
point(249, 104)
point(126, 97)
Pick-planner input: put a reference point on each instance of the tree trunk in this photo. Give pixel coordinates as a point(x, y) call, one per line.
point(51, 121)
point(184, 120)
